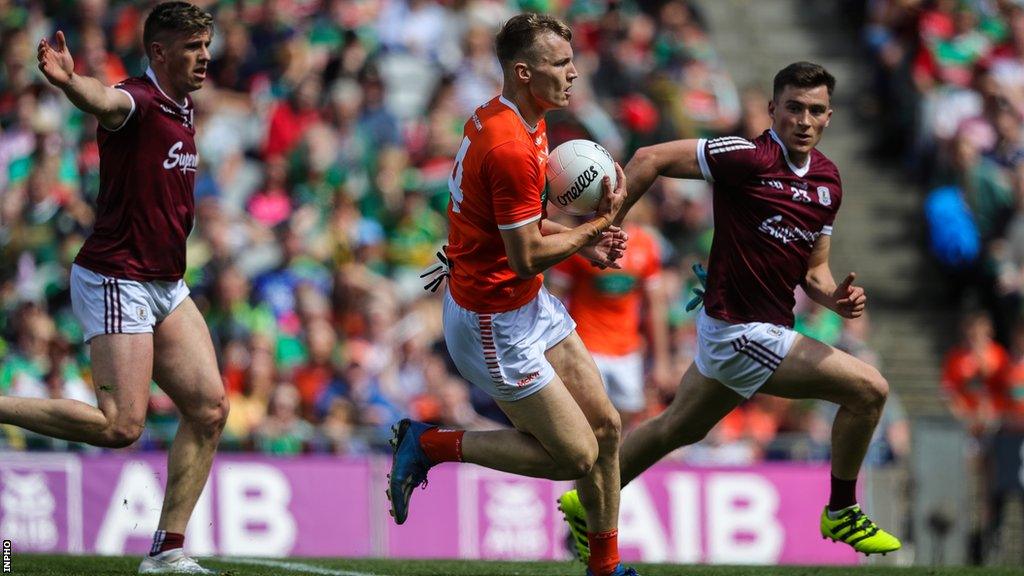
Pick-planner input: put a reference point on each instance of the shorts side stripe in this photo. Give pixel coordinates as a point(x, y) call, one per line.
point(106, 307)
point(752, 352)
point(768, 351)
point(756, 358)
point(490, 352)
point(744, 346)
point(119, 314)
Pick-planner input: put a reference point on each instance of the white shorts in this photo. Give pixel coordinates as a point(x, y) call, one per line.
point(106, 305)
point(503, 352)
point(741, 356)
point(623, 379)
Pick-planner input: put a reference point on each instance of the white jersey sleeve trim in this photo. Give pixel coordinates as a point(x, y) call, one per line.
point(519, 224)
point(705, 170)
point(130, 112)
point(827, 230)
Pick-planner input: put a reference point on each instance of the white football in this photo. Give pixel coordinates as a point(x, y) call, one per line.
point(575, 171)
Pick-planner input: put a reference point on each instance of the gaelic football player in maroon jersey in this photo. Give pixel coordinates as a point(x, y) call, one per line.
point(126, 282)
point(775, 199)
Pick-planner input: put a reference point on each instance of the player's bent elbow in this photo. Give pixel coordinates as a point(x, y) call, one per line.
point(643, 156)
point(523, 269)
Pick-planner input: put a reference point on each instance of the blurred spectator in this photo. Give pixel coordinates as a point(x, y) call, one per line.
point(754, 117)
point(283, 432)
point(313, 376)
point(290, 118)
point(1009, 402)
point(974, 373)
point(250, 380)
point(338, 433)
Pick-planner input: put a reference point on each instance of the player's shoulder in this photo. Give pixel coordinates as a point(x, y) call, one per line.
point(761, 150)
point(823, 163)
point(824, 171)
point(495, 123)
point(138, 82)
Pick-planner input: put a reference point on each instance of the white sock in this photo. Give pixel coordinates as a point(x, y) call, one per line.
point(835, 514)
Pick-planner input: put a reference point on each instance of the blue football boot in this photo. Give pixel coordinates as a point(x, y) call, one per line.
point(409, 466)
point(620, 570)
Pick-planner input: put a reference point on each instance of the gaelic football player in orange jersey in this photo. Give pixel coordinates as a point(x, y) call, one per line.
point(506, 333)
point(611, 307)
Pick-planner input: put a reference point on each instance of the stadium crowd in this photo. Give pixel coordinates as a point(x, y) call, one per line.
point(950, 99)
point(326, 132)
point(950, 94)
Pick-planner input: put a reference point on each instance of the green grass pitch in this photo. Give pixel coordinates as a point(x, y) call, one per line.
point(89, 565)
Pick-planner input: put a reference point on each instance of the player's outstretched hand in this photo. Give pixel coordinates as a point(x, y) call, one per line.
point(607, 249)
point(613, 197)
point(55, 61)
point(849, 300)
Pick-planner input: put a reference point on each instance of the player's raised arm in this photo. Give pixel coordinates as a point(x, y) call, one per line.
point(110, 106)
point(676, 159)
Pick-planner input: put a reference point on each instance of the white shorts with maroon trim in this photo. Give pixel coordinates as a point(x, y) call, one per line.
point(741, 356)
point(106, 305)
point(503, 352)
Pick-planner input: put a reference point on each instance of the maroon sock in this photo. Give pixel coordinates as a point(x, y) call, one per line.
point(164, 541)
point(844, 494)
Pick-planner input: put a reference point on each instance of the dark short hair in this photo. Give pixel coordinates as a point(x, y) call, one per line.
point(803, 75)
point(517, 36)
point(174, 18)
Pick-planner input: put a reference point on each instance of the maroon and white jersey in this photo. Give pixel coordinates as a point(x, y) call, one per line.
point(145, 208)
point(768, 215)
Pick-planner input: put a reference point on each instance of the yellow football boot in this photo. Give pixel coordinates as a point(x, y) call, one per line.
point(576, 517)
point(854, 528)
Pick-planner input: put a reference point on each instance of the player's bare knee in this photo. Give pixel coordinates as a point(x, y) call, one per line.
point(577, 461)
point(121, 435)
point(872, 391)
point(879, 387)
point(210, 416)
point(608, 429)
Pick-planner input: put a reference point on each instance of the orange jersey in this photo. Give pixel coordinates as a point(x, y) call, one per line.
point(606, 303)
point(497, 184)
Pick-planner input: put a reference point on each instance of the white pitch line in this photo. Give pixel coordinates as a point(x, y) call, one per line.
point(295, 566)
